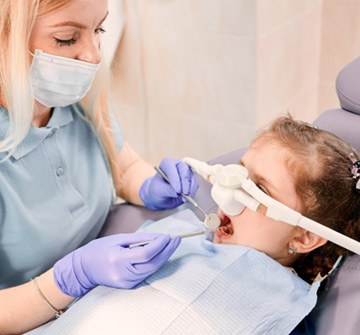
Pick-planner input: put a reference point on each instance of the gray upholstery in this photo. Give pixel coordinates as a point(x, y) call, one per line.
point(337, 311)
point(342, 123)
point(347, 87)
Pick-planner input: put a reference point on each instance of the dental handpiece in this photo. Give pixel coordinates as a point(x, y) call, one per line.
point(211, 221)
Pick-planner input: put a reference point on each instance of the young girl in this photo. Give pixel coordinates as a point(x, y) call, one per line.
point(60, 147)
point(325, 172)
point(254, 275)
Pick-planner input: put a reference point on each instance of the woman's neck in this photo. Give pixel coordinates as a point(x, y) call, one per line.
point(42, 115)
point(2, 103)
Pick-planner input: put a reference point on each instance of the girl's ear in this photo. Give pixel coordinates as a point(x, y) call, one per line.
point(307, 241)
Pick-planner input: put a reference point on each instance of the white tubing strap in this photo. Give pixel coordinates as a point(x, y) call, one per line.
point(245, 191)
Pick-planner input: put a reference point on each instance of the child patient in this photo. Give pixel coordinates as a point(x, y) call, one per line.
point(254, 275)
point(311, 171)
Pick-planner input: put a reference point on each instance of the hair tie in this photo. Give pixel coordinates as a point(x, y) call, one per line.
point(355, 169)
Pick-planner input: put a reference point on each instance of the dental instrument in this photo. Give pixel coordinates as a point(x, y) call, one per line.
point(233, 190)
point(211, 221)
point(143, 243)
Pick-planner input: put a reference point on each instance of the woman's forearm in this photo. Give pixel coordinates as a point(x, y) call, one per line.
point(132, 170)
point(23, 308)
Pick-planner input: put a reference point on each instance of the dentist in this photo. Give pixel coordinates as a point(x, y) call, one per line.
point(63, 158)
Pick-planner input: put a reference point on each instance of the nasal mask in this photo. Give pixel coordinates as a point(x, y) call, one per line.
point(59, 81)
point(233, 190)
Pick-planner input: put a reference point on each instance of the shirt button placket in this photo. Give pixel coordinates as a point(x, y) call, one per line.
point(60, 171)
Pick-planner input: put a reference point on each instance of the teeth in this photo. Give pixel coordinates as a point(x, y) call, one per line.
point(227, 230)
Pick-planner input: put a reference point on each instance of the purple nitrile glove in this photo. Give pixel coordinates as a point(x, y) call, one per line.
point(156, 193)
point(109, 261)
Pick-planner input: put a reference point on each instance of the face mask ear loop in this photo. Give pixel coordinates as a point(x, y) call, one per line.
point(35, 53)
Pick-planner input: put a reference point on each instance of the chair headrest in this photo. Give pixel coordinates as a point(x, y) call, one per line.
point(345, 121)
point(348, 86)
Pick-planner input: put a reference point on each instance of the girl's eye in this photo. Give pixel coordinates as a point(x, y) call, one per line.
point(262, 188)
point(62, 43)
point(100, 30)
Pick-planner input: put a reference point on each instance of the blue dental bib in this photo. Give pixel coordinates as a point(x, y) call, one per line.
point(204, 288)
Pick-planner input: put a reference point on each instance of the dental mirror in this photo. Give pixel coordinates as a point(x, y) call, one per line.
point(212, 221)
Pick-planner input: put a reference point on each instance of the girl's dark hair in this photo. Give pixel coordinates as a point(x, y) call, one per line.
point(320, 165)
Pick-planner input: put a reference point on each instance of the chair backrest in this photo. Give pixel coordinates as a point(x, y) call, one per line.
point(337, 310)
point(345, 121)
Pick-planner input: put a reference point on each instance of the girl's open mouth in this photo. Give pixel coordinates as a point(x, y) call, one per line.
point(226, 228)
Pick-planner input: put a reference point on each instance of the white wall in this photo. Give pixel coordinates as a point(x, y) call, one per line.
point(198, 77)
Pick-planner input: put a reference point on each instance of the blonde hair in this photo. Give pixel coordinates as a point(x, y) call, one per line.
point(17, 18)
point(16, 21)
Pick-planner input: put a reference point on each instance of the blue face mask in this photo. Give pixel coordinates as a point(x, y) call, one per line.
point(59, 81)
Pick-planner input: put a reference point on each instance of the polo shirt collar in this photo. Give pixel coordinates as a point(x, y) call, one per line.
point(61, 116)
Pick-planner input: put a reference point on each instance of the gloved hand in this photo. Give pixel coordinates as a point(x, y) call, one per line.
point(156, 193)
point(108, 261)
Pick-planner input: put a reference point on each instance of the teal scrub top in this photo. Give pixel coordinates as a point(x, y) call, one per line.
point(55, 193)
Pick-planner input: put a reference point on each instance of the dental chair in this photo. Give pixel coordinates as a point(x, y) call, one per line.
point(337, 310)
